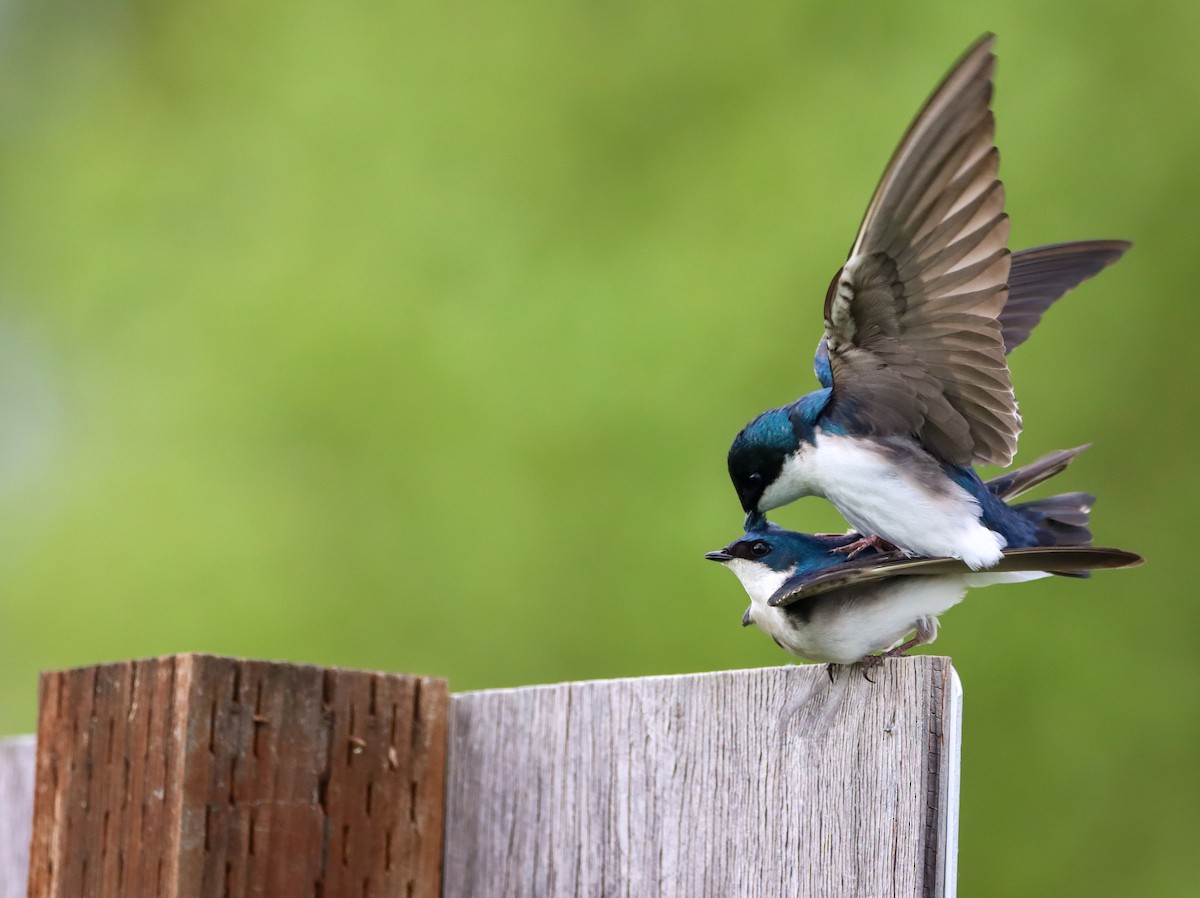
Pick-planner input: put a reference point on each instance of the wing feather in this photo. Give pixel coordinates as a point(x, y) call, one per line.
point(1038, 277)
point(1066, 560)
point(915, 347)
point(1041, 275)
point(1012, 484)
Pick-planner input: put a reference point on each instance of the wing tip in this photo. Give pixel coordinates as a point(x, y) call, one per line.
point(986, 40)
point(981, 48)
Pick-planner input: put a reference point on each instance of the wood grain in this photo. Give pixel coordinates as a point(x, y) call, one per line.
point(743, 783)
point(194, 775)
point(16, 812)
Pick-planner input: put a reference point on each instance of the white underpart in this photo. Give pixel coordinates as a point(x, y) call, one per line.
point(878, 498)
point(848, 624)
point(759, 580)
point(986, 579)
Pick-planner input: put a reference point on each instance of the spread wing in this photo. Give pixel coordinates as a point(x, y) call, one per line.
point(1037, 278)
point(1041, 275)
point(915, 347)
point(1054, 559)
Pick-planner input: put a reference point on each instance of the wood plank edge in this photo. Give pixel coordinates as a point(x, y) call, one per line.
point(808, 669)
point(949, 837)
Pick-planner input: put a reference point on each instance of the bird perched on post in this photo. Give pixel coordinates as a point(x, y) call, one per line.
point(816, 603)
point(916, 387)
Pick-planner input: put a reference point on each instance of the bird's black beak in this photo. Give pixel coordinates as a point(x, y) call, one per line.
point(719, 555)
point(746, 619)
point(749, 499)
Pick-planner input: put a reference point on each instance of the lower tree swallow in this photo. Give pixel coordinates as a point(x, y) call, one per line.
point(817, 604)
point(916, 386)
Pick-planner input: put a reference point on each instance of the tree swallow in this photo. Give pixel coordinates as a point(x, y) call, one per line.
point(915, 385)
point(817, 604)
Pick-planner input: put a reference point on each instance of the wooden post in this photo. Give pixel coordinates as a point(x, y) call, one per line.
point(194, 775)
point(16, 811)
point(749, 783)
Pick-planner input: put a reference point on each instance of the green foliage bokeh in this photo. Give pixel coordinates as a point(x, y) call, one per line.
point(412, 336)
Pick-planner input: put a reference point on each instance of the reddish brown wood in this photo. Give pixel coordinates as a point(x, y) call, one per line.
point(194, 775)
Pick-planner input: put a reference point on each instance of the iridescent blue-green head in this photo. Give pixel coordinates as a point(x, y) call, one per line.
point(758, 458)
point(783, 551)
point(758, 454)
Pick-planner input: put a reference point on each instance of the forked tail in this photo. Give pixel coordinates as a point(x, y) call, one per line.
point(1060, 520)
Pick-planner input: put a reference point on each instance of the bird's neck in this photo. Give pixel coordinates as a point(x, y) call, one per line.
point(806, 411)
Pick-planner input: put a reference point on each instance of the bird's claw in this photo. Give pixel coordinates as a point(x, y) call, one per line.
point(860, 545)
point(868, 663)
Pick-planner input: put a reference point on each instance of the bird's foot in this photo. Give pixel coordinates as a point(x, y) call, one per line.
point(860, 545)
point(898, 651)
point(869, 663)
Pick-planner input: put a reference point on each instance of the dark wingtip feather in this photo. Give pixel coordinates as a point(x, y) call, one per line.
point(1020, 480)
point(1041, 275)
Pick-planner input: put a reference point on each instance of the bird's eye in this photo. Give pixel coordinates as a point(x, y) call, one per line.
point(755, 477)
point(759, 548)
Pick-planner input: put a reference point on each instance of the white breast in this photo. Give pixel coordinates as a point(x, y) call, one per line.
point(759, 581)
point(879, 496)
point(848, 624)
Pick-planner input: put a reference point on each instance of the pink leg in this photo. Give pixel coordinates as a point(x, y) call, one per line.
point(899, 650)
point(860, 545)
point(926, 632)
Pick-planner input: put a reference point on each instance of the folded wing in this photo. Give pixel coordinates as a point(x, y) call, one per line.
point(1055, 559)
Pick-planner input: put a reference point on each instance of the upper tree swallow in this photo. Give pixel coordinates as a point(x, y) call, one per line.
point(918, 321)
point(817, 604)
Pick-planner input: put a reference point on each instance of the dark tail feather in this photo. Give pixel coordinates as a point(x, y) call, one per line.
point(1066, 561)
point(1076, 561)
point(1041, 275)
point(1061, 520)
point(1013, 483)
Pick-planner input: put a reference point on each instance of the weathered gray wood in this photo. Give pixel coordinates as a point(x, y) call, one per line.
point(17, 756)
point(749, 783)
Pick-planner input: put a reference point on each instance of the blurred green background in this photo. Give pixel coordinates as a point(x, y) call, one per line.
point(412, 336)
